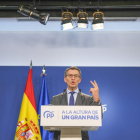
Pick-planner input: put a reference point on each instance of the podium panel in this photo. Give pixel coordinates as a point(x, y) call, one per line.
point(71, 120)
point(83, 117)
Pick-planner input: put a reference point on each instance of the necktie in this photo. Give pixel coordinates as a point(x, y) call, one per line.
point(71, 102)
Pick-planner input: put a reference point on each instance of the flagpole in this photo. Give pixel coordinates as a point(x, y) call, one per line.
point(31, 64)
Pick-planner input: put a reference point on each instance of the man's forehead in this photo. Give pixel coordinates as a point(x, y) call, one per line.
point(73, 71)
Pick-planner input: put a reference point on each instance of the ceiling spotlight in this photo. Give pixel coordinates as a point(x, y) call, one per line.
point(82, 19)
point(98, 21)
point(41, 17)
point(67, 20)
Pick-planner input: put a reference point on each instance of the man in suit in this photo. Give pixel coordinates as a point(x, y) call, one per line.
point(74, 96)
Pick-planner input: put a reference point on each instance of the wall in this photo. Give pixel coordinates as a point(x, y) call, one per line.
point(111, 57)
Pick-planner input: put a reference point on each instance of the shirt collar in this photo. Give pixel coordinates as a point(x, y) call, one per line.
point(76, 91)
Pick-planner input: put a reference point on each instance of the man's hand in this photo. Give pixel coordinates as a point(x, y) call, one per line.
point(95, 91)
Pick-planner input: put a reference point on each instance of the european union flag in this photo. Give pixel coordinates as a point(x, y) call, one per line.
point(44, 100)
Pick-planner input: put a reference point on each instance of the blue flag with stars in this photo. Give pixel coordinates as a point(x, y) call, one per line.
point(44, 100)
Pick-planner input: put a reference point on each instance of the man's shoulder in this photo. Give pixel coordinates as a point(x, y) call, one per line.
point(85, 95)
point(57, 99)
point(58, 95)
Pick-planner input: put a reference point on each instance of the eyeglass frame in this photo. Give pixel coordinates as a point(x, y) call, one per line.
point(75, 75)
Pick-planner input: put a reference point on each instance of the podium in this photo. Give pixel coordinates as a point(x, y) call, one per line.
point(71, 120)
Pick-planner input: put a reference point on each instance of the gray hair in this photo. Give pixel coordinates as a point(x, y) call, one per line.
point(72, 68)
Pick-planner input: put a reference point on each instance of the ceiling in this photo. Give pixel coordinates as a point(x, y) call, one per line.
point(110, 8)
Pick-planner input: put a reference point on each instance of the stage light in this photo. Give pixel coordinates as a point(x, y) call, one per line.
point(41, 17)
point(82, 20)
point(98, 22)
point(67, 20)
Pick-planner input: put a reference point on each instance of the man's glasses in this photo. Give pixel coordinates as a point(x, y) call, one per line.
point(75, 75)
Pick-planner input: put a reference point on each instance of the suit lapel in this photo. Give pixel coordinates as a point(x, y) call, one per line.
point(80, 99)
point(64, 99)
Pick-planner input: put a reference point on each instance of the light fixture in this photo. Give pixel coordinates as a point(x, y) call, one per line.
point(67, 20)
point(41, 17)
point(82, 19)
point(98, 22)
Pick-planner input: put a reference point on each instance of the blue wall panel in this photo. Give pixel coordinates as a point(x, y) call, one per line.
point(119, 90)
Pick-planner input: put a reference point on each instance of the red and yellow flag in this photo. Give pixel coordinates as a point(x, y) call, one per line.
point(28, 126)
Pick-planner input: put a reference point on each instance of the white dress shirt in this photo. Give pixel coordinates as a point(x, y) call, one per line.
point(74, 95)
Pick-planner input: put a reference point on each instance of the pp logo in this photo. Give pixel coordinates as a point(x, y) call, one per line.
point(104, 107)
point(48, 114)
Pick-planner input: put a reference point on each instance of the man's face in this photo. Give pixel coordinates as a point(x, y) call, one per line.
point(72, 79)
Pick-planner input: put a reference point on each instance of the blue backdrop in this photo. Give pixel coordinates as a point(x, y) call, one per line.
point(119, 90)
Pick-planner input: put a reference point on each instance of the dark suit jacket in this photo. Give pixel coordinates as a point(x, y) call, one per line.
point(82, 99)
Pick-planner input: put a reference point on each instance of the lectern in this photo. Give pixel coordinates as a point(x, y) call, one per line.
point(71, 120)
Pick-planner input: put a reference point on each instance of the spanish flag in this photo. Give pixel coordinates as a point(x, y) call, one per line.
point(28, 126)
